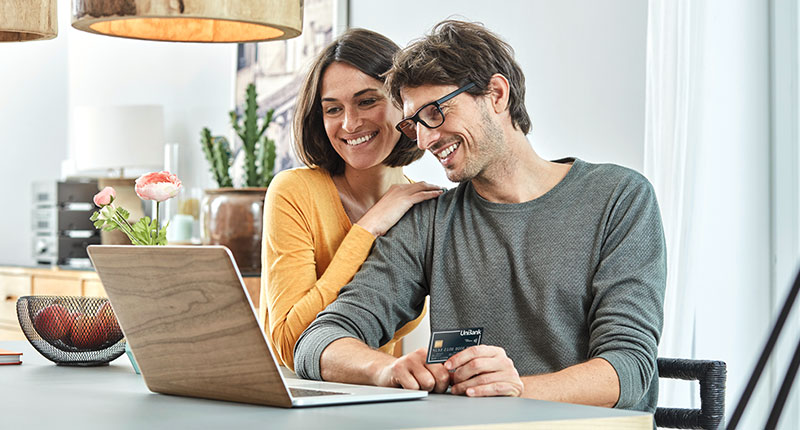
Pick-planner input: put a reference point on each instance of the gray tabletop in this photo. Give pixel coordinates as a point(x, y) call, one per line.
point(39, 394)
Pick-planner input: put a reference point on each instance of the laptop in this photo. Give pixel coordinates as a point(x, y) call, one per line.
point(191, 325)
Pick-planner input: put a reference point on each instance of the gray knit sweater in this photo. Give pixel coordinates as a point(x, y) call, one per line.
point(575, 274)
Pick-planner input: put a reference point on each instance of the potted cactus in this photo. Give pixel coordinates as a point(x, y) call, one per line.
point(232, 216)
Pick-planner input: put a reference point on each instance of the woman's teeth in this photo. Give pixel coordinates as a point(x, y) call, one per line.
point(361, 139)
point(447, 151)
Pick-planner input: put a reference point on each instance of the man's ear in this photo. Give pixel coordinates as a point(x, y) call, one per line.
point(498, 92)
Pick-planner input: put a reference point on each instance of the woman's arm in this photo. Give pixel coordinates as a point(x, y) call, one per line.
point(293, 293)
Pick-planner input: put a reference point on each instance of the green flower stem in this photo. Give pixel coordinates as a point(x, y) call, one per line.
point(158, 226)
point(125, 227)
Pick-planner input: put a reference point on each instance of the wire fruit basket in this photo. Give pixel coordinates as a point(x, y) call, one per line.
point(71, 330)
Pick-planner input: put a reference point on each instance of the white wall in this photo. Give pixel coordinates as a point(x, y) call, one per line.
point(193, 81)
point(41, 81)
point(584, 65)
point(33, 130)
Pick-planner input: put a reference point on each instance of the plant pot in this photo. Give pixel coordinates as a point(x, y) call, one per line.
point(234, 217)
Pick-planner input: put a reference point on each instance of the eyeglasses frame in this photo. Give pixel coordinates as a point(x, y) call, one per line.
point(438, 103)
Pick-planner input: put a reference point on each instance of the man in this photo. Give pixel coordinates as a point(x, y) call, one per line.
point(562, 263)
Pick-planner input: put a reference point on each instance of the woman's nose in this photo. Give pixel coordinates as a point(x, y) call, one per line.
point(352, 120)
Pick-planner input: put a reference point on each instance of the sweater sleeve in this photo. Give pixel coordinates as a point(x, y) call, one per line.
point(294, 294)
point(626, 313)
point(387, 292)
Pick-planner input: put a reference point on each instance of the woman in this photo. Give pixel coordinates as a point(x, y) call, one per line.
point(320, 221)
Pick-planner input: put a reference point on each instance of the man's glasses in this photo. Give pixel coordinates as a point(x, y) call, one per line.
point(430, 115)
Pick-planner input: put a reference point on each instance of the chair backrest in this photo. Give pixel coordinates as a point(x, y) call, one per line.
point(712, 376)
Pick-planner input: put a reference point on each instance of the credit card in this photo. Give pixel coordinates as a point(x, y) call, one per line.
point(446, 343)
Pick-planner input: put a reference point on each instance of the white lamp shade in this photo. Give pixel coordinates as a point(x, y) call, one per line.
point(115, 137)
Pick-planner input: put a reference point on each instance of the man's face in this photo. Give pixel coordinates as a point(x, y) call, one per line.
point(467, 142)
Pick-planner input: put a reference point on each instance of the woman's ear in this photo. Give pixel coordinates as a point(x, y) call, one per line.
point(498, 92)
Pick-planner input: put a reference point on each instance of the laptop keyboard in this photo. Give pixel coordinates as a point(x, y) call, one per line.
point(303, 392)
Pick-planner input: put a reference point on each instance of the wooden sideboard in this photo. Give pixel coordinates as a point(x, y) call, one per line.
point(16, 282)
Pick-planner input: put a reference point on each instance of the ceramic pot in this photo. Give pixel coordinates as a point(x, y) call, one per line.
point(234, 217)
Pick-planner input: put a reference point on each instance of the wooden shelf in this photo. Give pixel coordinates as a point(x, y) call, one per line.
point(16, 282)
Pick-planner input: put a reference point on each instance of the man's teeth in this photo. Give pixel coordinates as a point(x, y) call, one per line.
point(360, 140)
point(447, 151)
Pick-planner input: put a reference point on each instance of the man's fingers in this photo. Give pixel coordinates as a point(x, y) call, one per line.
point(411, 373)
point(507, 383)
point(461, 387)
point(441, 375)
point(478, 366)
point(419, 354)
point(424, 378)
point(494, 389)
point(406, 380)
point(471, 353)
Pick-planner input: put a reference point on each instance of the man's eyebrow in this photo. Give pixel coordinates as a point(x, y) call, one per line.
point(358, 93)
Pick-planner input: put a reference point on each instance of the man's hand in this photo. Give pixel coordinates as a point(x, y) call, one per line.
point(411, 372)
point(482, 371)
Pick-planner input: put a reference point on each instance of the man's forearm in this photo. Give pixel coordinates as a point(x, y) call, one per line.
point(594, 382)
point(352, 361)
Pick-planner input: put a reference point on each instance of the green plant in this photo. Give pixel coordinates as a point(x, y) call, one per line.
point(259, 150)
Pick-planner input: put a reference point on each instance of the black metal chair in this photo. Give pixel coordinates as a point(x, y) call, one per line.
point(712, 376)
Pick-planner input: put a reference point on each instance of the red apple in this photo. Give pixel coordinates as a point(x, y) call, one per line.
point(51, 322)
point(69, 322)
point(107, 322)
point(86, 333)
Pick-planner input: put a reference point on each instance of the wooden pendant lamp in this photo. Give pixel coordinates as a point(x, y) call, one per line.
point(190, 20)
point(24, 20)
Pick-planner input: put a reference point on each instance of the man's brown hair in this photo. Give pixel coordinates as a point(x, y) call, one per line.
point(457, 53)
point(368, 52)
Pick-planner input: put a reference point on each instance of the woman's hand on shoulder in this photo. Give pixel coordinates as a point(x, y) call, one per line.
point(394, 204)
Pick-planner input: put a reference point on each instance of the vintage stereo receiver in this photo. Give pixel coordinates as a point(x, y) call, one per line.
point(60, 226)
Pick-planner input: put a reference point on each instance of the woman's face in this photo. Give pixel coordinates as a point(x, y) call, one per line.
point(358, 115)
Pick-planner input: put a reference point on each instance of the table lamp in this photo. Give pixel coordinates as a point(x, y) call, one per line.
point(106, 140)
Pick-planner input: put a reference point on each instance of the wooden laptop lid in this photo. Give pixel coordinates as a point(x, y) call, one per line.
point(190, 323)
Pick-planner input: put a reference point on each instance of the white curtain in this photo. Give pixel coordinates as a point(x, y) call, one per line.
point(707, 153)
point(672, 69)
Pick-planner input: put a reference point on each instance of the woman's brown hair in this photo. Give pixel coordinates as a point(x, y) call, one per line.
point(367, 51)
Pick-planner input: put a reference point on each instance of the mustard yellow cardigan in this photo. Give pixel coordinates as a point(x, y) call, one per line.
point(310, 250)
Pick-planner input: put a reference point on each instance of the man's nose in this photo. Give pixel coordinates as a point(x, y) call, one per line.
point(352, 120)
point(426, 137)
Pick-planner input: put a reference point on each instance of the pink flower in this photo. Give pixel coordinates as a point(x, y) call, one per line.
point(158, 186)
point(104, 197)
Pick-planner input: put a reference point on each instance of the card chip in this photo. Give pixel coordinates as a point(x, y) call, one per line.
point(446, 343)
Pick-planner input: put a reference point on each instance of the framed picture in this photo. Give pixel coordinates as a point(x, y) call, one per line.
point(278, 69)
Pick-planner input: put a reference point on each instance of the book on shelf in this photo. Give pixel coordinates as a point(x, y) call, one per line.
point(10, 357)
